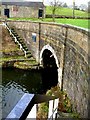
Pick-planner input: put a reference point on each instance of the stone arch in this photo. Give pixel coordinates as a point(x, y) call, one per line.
point(48, 47)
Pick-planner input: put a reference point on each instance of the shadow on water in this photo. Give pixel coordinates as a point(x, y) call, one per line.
point(16, 82)
point(49, 78)
point(29, 80)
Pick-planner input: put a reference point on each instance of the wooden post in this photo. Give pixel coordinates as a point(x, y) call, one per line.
point(53, 105)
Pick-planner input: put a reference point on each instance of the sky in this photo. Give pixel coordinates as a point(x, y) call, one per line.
point(69, 2)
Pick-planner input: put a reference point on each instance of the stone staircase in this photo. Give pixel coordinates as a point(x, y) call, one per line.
point(67, 116)
point(19, 41)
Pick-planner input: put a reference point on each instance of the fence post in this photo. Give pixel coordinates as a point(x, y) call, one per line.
point(32, 113)
point(50, 109)
point(55, 107)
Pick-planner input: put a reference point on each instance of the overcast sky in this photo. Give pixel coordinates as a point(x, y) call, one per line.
point(69, 2)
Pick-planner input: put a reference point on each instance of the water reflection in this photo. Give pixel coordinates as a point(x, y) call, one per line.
point(11, 94)
point(16, 82)
point(30, 80)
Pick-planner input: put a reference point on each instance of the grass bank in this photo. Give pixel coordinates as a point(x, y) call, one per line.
point(67, 12)
point(76, 22)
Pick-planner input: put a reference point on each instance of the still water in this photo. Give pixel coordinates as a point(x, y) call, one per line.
point(16, 82)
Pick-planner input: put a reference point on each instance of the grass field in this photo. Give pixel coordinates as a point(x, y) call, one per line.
point(63, 11)
point(67, 12)
point(76, 22)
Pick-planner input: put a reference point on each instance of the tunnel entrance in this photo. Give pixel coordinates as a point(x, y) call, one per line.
point(50, 70)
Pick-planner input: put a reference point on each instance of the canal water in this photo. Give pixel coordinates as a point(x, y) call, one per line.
point(16, 82)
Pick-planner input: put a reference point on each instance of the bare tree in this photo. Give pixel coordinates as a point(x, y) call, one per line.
point(65, 5)
point(55, 4)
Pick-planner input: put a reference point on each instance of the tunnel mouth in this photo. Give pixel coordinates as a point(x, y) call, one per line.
point(50, 70)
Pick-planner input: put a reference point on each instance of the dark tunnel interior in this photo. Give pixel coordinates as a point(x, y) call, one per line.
point(49, 72)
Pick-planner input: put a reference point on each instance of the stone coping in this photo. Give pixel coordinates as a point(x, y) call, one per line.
point(83, 30)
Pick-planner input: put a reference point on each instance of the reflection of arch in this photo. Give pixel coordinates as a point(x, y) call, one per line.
point(48, 47)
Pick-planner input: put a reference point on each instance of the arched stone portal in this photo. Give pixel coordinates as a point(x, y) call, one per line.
point(48, 47)
point(51, 71)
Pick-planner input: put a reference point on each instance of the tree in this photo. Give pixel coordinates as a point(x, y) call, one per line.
point(65, 5)
point(54, 6)
point(83, 7)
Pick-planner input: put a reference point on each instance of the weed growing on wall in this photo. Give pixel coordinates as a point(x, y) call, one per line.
point(64, 106)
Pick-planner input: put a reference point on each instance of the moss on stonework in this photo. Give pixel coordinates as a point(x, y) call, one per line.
point(64, 106)
point(64, 101)
point(19, 62)
point(32, 64)
point(12, 56)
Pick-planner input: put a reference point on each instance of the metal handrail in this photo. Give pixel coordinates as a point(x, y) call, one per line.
point(26, 103)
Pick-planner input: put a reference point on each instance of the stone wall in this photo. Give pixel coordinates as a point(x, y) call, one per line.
point(22, 11)
point(76, 76)
point(25, 30)
point(71, 48)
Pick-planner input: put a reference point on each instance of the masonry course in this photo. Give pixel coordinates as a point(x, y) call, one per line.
point(71, 48)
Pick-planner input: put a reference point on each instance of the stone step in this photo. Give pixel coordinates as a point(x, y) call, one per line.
point(23, 45)
point(64, 115)
point(11, 28)
point(20, 41)
point(18, 37)
point(26, 49)
point(13, 31)
point(28, 52)
point(29, 56)
point(15, 34)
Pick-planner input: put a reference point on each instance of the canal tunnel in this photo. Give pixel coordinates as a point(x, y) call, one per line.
point(50, 70)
